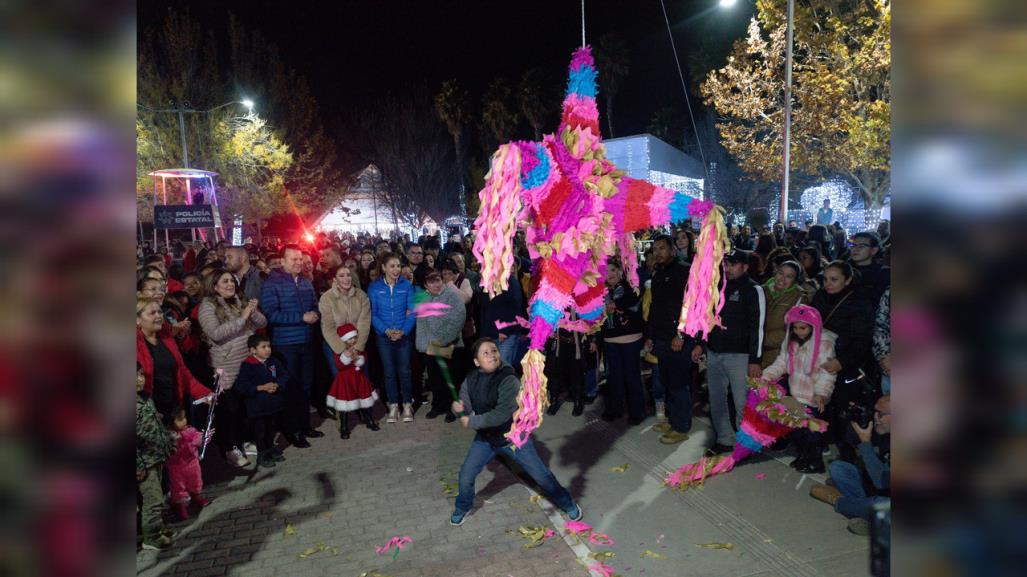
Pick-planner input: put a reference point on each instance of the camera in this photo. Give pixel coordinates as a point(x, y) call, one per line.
point(861, 409)
point(858, 413)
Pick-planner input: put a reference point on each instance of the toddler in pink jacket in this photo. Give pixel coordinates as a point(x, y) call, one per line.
point(184, 465)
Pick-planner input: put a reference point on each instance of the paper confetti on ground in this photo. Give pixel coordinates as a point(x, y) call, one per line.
point(576, 527)
point(319, 548)
point(449, 488)
point(535, 499)
point(605, 570)
point(533, 534)
point(373, 574)
point(761, 476)
point(397, 542)
point(601, 556)
point(725, 546)
point(649, 553)
point(601, 539)
point(289, 530)
point(620, 469)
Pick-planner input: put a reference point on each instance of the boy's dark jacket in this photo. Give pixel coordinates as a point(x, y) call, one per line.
point(252, 374)
point(491, 400)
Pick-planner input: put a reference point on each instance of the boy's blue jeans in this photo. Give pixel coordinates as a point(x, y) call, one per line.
point(854, 501)
point(481, 452)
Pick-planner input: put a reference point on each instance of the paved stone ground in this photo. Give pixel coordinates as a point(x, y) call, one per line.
point(354, 495)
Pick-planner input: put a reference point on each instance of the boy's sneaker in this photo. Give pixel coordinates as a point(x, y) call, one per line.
point(575, 513)
point(663, 427)
point(157, 543)
point(393, 413)
point(408, 413)
point(859, 526)
point(249, 449)
point(237, 458)
point(266, 459)
point(673, 437)
point(458, 518)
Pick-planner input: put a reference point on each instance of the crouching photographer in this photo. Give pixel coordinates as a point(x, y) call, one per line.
point(850, 494)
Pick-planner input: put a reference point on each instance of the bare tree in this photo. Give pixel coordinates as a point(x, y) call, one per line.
point(415, 155)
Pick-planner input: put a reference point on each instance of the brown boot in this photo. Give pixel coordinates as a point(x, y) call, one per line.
point(825, 493)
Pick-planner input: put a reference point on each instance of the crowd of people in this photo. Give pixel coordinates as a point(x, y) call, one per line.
point(296, 335)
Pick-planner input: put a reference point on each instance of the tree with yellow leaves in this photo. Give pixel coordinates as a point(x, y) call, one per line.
point(841, 86)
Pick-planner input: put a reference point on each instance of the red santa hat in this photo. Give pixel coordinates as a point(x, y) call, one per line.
point(347, 332)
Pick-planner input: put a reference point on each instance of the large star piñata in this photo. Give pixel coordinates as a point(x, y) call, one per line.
point(577, 210)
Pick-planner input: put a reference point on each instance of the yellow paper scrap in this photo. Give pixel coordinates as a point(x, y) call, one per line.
point(535, 535)
point(653, 554)
point(601, 556)
point(535, 499)
point(319, 548)
point(620, 469)
point(450, 489)
point(289, 530)
point(727, 546)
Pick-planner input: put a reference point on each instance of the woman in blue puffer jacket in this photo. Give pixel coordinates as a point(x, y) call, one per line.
point(392, 317)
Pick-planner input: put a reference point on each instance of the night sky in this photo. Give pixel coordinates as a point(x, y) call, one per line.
point(353, 51)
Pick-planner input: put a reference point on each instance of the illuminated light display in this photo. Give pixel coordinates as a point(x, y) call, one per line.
point(646, 157)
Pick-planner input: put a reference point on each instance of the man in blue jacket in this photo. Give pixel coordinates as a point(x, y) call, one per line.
point(290, 305)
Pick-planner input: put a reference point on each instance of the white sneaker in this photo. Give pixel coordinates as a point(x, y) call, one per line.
point(393, 413)
point(236, 457)
point(408, 413)
point(249, 449)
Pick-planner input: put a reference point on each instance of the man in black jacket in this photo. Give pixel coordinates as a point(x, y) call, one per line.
point(874, 278)
point(668, 291)
point(734, 351)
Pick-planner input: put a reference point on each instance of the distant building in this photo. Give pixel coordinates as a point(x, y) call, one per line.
point(364, 209)
point(646, 157)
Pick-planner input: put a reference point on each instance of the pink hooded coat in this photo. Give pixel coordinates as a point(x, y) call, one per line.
point(803, 362)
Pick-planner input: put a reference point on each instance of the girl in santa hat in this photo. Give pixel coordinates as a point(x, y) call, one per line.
point(351, 390)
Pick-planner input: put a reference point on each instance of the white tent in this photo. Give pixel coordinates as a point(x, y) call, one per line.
point(364, 209)
point(646, 157)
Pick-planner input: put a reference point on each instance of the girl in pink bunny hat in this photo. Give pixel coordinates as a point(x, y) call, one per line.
point(802, 356)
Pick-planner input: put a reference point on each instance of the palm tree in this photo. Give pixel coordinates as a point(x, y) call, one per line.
point(498, 113)
point(614, 63)
point(535, 100)
point(452, 105)
point(669, 124)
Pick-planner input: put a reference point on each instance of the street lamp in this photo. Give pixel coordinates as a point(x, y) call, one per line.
point(181, 120)
point(787, 105)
